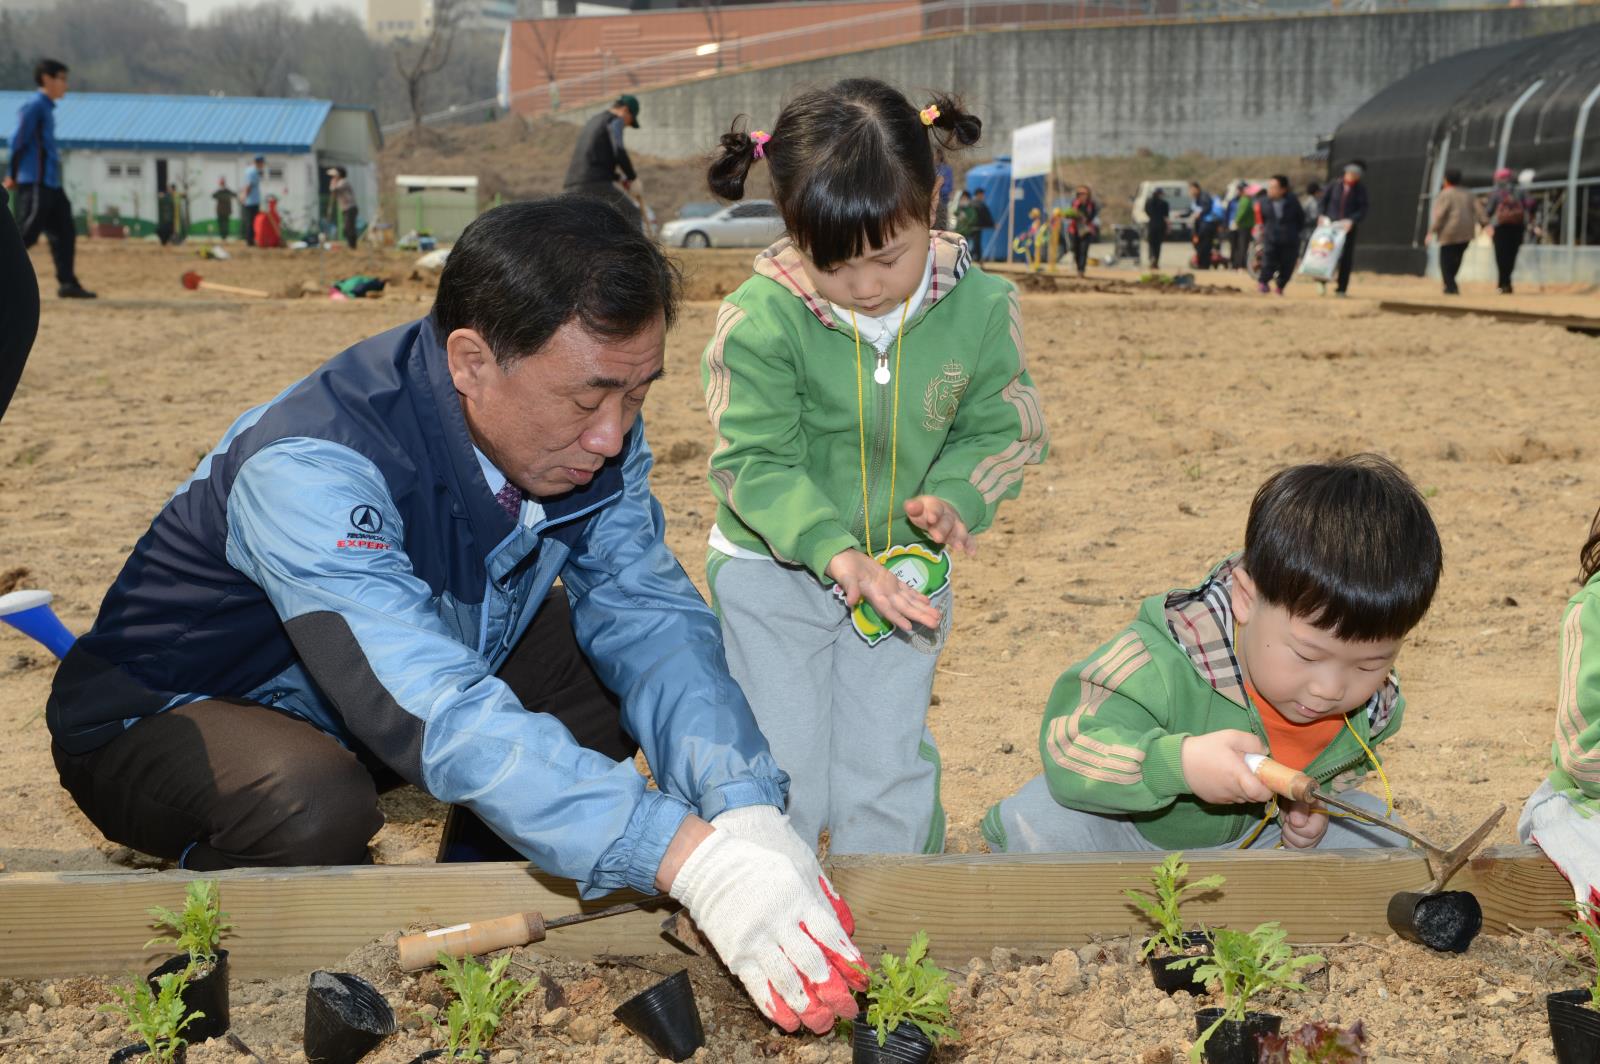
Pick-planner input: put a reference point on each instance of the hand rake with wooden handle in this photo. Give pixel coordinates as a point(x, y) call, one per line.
point(482, 936)
point(1442, 862)
point(194, 282)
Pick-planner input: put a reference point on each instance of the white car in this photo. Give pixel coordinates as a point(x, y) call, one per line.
point(752, 224)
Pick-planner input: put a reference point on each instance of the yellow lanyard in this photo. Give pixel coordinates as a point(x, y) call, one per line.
point(894, 433)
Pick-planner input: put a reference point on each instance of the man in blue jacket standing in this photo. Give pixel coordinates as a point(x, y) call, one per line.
point(250, 199)
point(35, 172)
point(357, 586)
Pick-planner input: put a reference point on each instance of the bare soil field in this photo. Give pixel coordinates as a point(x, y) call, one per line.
point(1166, 410)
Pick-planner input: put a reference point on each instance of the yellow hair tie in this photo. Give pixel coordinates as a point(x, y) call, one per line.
point(930, 114)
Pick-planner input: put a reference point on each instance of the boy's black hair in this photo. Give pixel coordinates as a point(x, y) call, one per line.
point(523, 270)
point(1348, 546)
point(850, 164)
point(47, 68)
point(1453, 175)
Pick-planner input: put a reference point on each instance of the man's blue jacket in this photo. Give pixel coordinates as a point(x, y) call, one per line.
point(33, 144)
point(339, 556)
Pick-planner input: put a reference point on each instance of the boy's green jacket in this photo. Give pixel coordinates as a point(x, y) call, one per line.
point(796, 417)
point(1576, 749)
point(1116, 722)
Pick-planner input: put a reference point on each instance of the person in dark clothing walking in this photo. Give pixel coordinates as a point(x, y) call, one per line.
point(1456, 217)
point(342, 195)
point(984, 222)
point(1203, 223)
point(1345, 204)
point(166, 214)
point(19, 310)
point(600, 157)
point(224, 197)
point(1281, 219)
point(1083, 225)
point(35, 172)
point(1157, 210)
point(1510, 211)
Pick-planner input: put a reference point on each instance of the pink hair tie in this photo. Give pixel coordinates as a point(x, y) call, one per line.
point(930, 114)
point(761, 140)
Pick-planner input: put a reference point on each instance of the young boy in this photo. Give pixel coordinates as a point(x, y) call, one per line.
point(1287, 648)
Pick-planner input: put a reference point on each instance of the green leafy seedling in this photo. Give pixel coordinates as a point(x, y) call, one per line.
point(1246, 963)
point(1162, 904)
point(198, 929)
point(1585, 925)
point(912, 990)
point(156, 1019)
point(483, 996)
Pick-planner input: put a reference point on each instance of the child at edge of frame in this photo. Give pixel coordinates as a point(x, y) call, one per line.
point(1287, 648)
point(872, 407)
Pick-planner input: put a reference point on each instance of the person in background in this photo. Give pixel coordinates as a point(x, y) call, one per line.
point(1345, 204)
point(1083, 226)
point(250, 202)
point(223, 197)
point(1239, 215)
point(166, 214)
point(966, 222)
point(1157, 210)
point(35, 172)
point(342, 202)
point(600, 162)
point(984, 223)
point(1282, 221)
point(269, 226)
point(1456, 217)
point(1510, 211)
point(1203, 224)
point(944, 181)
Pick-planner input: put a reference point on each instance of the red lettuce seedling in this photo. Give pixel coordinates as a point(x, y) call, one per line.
point(1316, 1043)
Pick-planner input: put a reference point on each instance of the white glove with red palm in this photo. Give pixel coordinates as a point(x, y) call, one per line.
point(765, 826)
point(773, 930)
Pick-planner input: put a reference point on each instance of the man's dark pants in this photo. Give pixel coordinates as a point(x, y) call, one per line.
point(247, 218)
point(1206, 235)
point(223, 218)
point(350, 226)
point(1156, 237)
point(1277, 260)
point(226, 783)
point(1347, 258)
point(41, 209)
point(1507, 242)
point(1450, 264)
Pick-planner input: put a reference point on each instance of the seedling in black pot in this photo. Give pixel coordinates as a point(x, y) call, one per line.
point(1245, 964)
point(156, 1016)
point(1575, 1014)
point(908, 1009)
point(196, 933)
point(1160, 906)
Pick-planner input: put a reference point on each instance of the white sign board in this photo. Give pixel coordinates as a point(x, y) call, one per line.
point(1033, 150)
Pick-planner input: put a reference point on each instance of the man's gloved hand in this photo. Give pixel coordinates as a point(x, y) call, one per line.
point(772, 929)
point(770, 829)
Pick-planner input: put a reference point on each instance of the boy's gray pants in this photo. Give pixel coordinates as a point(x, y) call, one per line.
point(1032, 821)
point(846, 721)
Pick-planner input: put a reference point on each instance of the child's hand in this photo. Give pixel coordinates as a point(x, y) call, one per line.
point(862, 577)
point(1213, 765)
point(1303, 824)
point(942, 524)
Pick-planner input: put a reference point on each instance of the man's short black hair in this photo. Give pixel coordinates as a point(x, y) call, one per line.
point(47, 68)
point(1283, 181)
point(523, 270)
point(1453, 175)
point(1348, 546)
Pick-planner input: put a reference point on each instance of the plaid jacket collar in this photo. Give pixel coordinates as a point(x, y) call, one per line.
point(1201, 622)
point(782, 263)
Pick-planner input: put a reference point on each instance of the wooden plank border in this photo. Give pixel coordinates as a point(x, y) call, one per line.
point(290, 921)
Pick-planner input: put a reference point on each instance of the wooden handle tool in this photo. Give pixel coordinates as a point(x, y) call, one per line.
point(483, 936)
point(193, 282)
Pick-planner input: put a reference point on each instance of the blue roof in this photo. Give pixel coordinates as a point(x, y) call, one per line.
point(136, 122)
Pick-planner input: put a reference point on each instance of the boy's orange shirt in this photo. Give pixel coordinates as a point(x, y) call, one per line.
point(1295, 745)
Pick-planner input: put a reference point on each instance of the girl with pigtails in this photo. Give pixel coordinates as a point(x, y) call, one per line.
point(872, 409)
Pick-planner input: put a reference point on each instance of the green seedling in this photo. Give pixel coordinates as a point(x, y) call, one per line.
point(1161, 905)
point(1316, 1043)
point(198, 929)
point(483, 996)
point(912, 990)
point(1246, 963)
point(156, 1019)
point(1585, 925)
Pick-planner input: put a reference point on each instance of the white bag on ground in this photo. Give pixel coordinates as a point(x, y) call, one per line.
point(1321, 260)
point(1569, 838)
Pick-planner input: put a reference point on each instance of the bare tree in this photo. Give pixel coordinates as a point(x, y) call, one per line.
point(417, 61)
point(251, 46)
point(712, 11)
point(547, 34)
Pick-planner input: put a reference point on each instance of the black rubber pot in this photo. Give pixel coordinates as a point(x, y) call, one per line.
point(207, 994)
point(905, 1045)
point(1234, 1042)
point(1171, 979)
point(1447, 922)
point(345, 1018)
point(1574, 1027)
point(139, 1049)
point(665, 1015)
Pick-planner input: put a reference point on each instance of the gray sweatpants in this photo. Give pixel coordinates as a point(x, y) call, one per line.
point(1031, 821)
point(846, 721)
